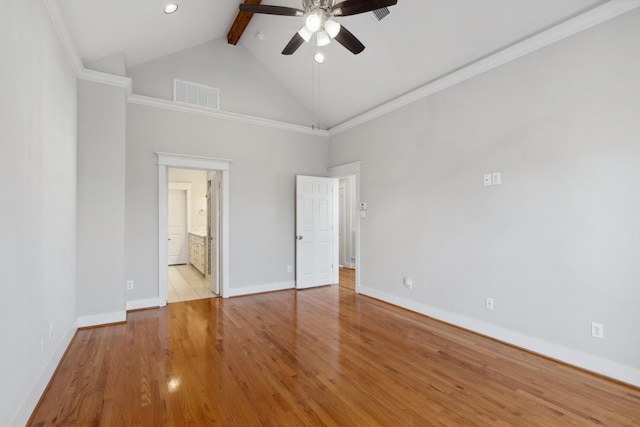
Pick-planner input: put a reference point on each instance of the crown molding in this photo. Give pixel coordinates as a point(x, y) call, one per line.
point(125, 83)
point(589, 19)
point(107, 79)
point(225, 115)
point(63, 33)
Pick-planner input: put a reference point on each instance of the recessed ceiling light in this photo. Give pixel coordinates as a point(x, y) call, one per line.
point(260, 36)
point(319, 57)
point(170, 8)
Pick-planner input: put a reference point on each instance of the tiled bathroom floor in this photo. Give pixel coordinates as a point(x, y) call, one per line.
point(186, 283)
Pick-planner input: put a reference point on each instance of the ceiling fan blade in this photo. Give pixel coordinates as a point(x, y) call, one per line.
point(354, 7)
point(271, 10)
point(293, 45)
point(348, 40)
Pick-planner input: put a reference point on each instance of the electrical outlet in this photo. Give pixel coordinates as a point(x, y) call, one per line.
point(289, 269)
point(597, 330)
point(408, 282)
point(488, 304)
point(487, 179)
point(496, 178)
point(129, 285)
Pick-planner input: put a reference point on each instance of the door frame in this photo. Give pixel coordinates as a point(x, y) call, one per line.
point(185, 161)
point(213, 176)
point(186, 187)
point(341, 171)
point(342, 213)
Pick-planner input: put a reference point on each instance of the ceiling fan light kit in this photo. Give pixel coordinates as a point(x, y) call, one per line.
point(319, 16)
point(305, 34)
point(322, 38)
point(314, 20)
point(332, 28)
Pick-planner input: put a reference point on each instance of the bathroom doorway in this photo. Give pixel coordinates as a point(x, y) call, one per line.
point(200, 207)
point(190, 273)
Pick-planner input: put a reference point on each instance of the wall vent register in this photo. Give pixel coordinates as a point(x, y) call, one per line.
point(195, 94)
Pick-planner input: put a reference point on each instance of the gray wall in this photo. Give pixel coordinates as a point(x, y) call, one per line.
point(38, 209)
point(101, 199)
point(556, 244)
point(246, 86)
point(262, 181)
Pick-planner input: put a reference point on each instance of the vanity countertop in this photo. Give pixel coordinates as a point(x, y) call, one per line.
point(198, 233)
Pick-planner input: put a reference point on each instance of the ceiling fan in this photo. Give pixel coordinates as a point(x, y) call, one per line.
point(319, 20)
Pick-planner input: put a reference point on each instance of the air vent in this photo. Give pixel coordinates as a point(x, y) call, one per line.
point(381, 13)
point(195, 94)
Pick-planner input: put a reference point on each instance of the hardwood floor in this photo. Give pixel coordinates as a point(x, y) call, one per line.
point(347, 278)
point(323, 356)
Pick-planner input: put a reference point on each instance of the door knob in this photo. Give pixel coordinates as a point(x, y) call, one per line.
point(299, 237)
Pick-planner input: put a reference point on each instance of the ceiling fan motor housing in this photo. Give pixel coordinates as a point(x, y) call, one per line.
point(321, 4)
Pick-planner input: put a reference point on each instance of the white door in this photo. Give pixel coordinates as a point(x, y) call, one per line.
point(315, 238)
point(177, 221)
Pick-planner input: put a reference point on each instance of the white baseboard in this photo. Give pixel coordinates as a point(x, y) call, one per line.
point(257, 289)
point(140, 304)
point(43, 381)
point(599, 365)
point(101, 319)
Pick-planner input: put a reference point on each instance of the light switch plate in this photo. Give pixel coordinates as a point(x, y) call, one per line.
point(487, 179)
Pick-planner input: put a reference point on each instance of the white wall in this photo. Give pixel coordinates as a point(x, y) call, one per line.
point(38, 209)
point(198, 181)
point(264, 163)
point(101, 198)
point(556, 244)
point(246, 86)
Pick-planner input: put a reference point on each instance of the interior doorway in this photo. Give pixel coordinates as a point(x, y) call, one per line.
point(349, 217)
point(199, 259)
point(347, 231)
point(190, 261)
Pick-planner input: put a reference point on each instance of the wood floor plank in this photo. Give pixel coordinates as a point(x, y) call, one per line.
point(318, 357)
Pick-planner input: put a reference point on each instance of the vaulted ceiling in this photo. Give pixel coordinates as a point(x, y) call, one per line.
point(418, 42)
